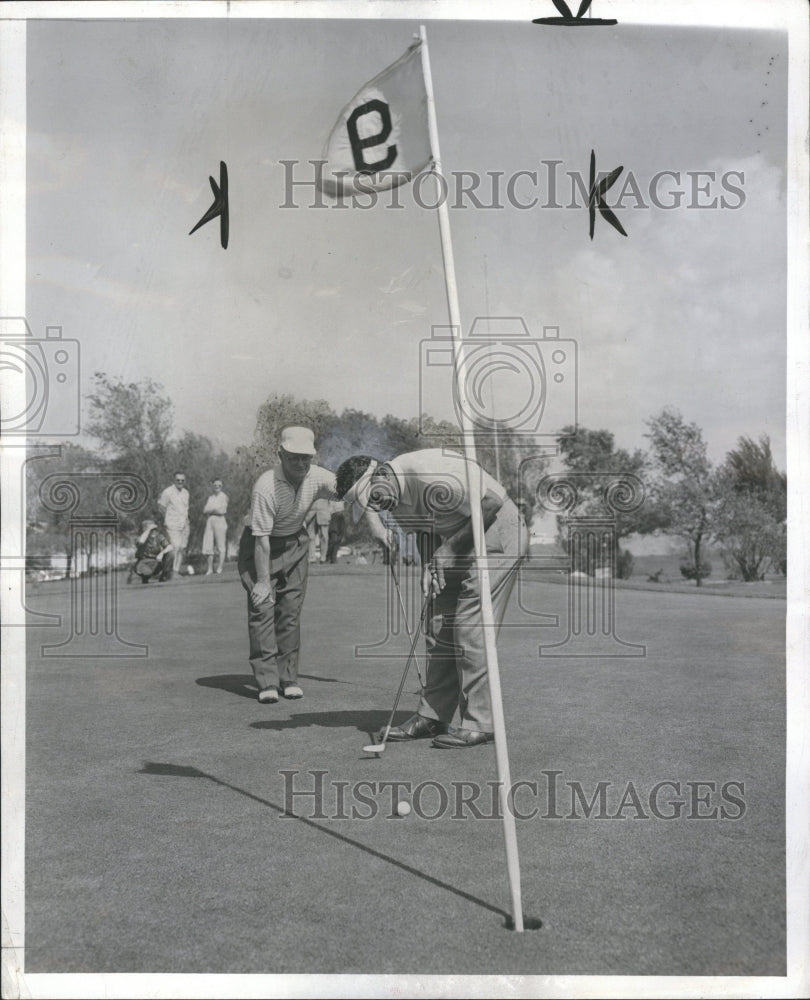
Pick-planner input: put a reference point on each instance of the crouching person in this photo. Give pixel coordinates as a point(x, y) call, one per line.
point(154, 555)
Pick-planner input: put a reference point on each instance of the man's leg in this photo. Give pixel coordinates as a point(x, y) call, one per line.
point(335, 537)
point(208, 546)
point(312, 532)
point(291, 569)
point(323, 531)
point(507, 543)
point(261, 625)
point(440, 696)
point(474, 702)
point(164, 568)
point(176, 538)
point(184, 546)
point(221, 541)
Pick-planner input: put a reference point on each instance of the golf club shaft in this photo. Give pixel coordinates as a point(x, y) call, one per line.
point(416, 635)
point(404, 614)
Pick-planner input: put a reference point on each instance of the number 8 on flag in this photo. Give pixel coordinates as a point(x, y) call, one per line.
point(382, 133)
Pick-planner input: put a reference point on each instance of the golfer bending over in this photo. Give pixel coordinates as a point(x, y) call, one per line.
point(426, 491)
point(274, 561)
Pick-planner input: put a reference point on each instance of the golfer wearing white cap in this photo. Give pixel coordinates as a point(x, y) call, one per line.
point(274, 561)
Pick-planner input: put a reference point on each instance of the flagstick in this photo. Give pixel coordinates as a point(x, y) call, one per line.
point(492, 381)
point(474, 487)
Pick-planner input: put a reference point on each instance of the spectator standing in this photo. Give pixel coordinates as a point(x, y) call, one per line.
point(215, 537)
point(173, 505)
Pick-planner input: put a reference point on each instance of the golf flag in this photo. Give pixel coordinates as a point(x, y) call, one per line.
point(381, 135)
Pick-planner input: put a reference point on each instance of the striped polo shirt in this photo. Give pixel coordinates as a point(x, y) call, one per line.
point(433, 490)
point(278, 508)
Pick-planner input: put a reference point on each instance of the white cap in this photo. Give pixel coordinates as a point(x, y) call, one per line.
point(298, 440)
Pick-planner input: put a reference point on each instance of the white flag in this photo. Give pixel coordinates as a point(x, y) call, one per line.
point(382, 133)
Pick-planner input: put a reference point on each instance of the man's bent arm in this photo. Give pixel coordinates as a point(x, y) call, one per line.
point(261, 557)
point(378, 529)
point(461, 542)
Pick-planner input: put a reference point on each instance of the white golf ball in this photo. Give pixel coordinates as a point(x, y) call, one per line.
point(403, 808)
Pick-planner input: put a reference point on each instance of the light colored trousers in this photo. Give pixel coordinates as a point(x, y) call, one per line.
point(274, 629)
point(216, 533)
point(456, 679)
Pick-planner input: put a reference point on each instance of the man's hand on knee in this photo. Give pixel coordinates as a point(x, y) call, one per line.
point(262, 592)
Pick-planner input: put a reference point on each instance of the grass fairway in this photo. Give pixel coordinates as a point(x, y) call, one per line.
point(156, 839)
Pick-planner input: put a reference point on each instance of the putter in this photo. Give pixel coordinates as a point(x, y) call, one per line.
point(405, 618)
point(379, 748)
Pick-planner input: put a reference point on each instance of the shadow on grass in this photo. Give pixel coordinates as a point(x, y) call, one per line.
point(244, 685)
point(365, 721)
point(185, 771)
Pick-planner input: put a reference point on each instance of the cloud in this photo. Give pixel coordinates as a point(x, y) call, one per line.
point(688, 311)
point(82, 277)
point(54, 162)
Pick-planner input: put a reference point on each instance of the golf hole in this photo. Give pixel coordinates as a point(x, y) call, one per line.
point(529, 923)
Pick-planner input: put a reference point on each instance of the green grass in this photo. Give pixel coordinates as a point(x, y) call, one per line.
point(155, 839)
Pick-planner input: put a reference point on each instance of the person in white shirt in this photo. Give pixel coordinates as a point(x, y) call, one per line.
point(216, 527)
point(173, 506)
point(274, 561)
point(426, 491)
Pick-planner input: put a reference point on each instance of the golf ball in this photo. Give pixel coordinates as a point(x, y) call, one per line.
point(403, 808)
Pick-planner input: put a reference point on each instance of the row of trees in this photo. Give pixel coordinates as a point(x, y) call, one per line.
point(133, 423)
point(739, 506)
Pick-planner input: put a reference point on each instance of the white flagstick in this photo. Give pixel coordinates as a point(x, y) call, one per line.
point(474, 487)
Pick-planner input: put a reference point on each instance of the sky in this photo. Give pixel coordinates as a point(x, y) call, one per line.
point(127, 119)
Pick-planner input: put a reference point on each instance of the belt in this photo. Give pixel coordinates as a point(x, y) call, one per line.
point(286, 538)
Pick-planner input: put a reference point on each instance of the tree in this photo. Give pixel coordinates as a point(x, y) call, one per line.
point(353, 432)
point(71, 458)
point(754, 471)
point(753, 510)
point(202, 462)
point(592, 454)
point(752, 540)
point(685, 485)
point(283, 410)
point(133, 423)
point(47, 531)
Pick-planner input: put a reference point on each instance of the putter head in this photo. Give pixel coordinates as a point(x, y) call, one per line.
point(374, 748)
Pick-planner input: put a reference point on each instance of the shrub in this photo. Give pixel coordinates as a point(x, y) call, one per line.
point(624, 564)
point(692, 572)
